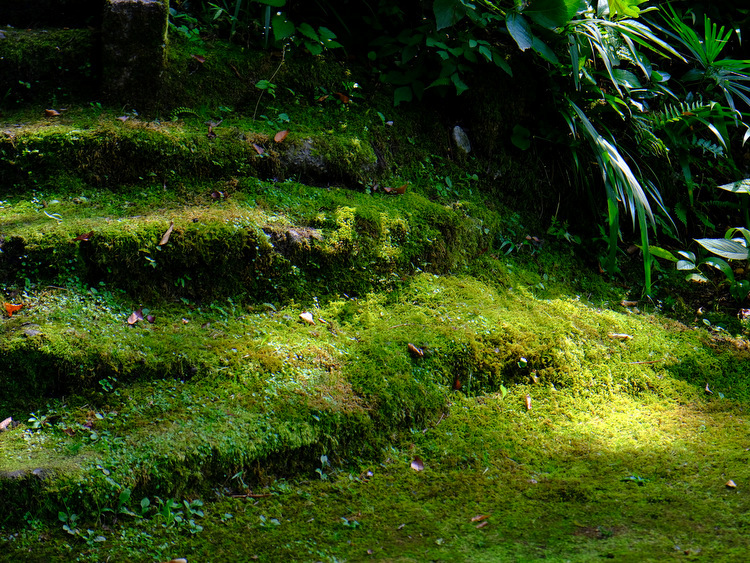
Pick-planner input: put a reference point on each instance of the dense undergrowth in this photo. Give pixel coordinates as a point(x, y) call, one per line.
point(465, 386)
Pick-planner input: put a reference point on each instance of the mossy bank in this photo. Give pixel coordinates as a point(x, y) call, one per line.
point(319, 333)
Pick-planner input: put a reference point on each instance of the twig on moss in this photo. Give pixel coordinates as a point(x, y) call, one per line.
point(283, 54)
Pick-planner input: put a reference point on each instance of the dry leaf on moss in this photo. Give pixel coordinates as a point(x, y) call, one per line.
point(165, 239)
point(416, 352)
point(11, 308)
point(84, 237)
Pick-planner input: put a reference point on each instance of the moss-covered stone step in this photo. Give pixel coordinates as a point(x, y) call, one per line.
point(44, 64)
point(110, 152)
point(273, 392)
point(254, 240)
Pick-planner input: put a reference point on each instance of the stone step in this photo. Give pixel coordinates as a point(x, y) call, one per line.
point(239, 238)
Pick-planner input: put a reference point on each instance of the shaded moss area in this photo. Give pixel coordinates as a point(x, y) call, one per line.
point(48, 66)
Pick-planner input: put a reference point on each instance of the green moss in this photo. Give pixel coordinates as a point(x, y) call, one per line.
point(49, 66)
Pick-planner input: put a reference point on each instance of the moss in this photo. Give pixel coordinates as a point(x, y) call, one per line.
point(49, 66)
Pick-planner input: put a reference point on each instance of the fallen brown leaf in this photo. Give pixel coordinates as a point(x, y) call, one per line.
point(619, 336)
point(307, 317)
point(84, 237)
point(731, 484)
point(260, 150)
point(165, 239)
point(625, 303)
point(528, 402)
point(343, 97)
point(200, 58)
point(480, 517)
point(51, 113)
point(5, 423)
point(280, 136)
point(482, 524)
point(135, 316)
point(123, 118)
point(401, 190)
point(417, 464)
point(416, 352)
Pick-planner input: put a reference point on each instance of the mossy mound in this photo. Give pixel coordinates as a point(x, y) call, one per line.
point(262, 392)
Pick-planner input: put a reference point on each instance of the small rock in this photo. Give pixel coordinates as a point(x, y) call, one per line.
point(461, 139)
point(307, 317)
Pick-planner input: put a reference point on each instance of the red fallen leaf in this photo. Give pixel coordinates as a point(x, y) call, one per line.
point(528, 402)
point(480, 517)
point(123, 118)
point(165, 239)
point(211, 134)
point(457, 385)
point(416, 352)
point(51, 113)
point(280, 136)
point(85, 236)
point(135, 316)
point(200, 58)
point(343, 97)
point(10, 308)
point(260, 150)
point(417, 464)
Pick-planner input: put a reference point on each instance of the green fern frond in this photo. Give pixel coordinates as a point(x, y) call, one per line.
point(176, 112)
point(708, 147)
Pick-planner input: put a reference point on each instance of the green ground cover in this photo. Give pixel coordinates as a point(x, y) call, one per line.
point(462, 389)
